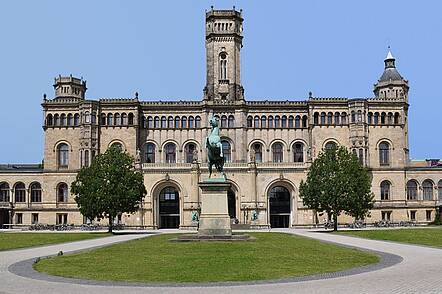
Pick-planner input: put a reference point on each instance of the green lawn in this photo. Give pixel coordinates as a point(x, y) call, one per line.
point(17, 240)
point(422, 236)
point(156, 259)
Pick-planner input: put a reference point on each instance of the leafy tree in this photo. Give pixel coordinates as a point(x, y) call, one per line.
point(336, 183)
point(109, 186)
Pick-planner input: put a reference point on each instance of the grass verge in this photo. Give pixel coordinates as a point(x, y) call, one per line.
point(418, 236)
point(18, 240)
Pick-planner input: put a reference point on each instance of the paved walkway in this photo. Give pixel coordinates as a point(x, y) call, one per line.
point(419, 272)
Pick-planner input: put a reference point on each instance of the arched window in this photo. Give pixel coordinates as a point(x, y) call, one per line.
point(177, 122)
point(330, 145)
point(291, 122)
point(149, 154)
point(149, 122)
point(329, 118)
point(396, 118)
point(337, 116)
point(70, 120)
point(56, 119)
point(277, 121)
point(227, 151)
point(4, 192)
point(385, 190)
point(411, 190)
point(298, 152)
point(383, 115)
point(316, 119)
point(62, 192)
point(163, 122)
point(376, 118)
point(189, 150)
point(110, 119)
point(156, 122)
point(297, 122)
point(191, 122)
point(63, 119)
point(384, 153)
point(231, 122)
point(277, 152)
point(124, 119)
point(184, 122)
point(270, 121)
point(390, 118)
point(263, 122)
point(223, 66)
point(49, 121)
point(76, 119)
point(284, 121)
point(439, 190)
point(198, 122)
point(143, 122)
point(223, 121)
point(322, 118)
point(170, 122)
point(344, 118)
point(257, 149)
point(304, 121)
point(20, 192)
point(249, 121)
point(118, 145)
point(353, 117)
point(359, 118)
point(370, 118)
point(63, 155)
point(427, 190)
point(170, 149)
point(87, 117)
point(103, 119)
point(35, 192)
point(117, 119)
point(94, 118)
point(256, 122)
point(130, 119)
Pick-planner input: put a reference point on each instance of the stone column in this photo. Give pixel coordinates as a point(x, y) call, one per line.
point(214, 219)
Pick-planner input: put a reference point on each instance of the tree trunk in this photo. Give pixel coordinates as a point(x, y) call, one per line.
point(335, 222)
point(111, 224)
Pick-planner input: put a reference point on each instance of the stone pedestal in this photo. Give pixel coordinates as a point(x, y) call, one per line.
point(214, 219)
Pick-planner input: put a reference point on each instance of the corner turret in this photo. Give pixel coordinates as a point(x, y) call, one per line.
point(69, 87)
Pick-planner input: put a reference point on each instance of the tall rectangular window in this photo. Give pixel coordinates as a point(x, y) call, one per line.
point(34, 218)
point(19, 218)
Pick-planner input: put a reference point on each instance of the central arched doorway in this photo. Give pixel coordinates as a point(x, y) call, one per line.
point(169, 208)
point(231, 203)
point(279, 202)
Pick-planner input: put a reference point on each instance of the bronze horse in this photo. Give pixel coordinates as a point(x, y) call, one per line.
point(215, 148)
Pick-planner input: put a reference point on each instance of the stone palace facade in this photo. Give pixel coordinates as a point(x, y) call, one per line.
point(268, 146)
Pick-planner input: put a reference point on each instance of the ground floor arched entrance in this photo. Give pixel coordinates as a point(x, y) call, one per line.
point(4, 218)
point(279, 203)
point(231, 202)
point(169, 208)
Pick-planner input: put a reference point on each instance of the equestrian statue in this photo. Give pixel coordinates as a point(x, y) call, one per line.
point(215, 149)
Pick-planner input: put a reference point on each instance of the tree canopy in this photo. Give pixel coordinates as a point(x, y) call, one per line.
point(337, 182)
point(109, 187)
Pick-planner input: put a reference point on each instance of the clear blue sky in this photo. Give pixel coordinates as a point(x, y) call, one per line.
point(332, 48)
